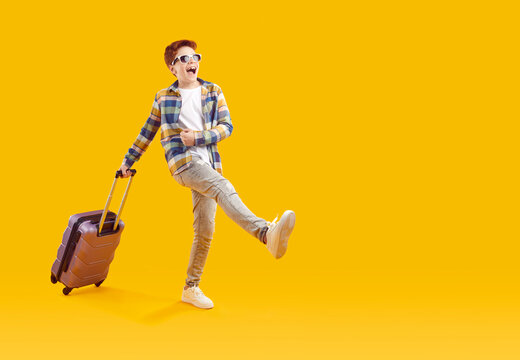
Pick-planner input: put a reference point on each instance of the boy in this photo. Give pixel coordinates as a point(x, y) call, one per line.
point(193, 117)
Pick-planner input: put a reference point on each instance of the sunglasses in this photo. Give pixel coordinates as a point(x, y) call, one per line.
point(186, 58)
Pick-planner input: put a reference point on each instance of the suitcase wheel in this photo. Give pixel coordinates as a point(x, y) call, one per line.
point(99, 283)
point(53, 279)
point(67, 290)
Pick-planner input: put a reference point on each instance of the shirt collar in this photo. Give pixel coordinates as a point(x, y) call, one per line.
point(175, 86)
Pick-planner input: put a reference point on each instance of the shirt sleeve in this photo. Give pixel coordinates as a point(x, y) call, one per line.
point(222, 130)
point(145, 137)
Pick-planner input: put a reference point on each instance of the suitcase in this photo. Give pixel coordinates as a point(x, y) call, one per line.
point(88, 248)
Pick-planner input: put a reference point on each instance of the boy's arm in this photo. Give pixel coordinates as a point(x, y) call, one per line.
point(145, 137)
point(224, 126)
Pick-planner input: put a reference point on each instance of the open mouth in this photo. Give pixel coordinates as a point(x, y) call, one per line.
point(192, 70)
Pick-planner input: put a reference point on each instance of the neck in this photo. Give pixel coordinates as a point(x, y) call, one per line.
point(189, 84)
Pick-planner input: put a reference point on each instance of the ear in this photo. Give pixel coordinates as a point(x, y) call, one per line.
point(172, 69)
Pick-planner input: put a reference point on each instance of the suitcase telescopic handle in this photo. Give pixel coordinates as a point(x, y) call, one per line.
point(119, 173)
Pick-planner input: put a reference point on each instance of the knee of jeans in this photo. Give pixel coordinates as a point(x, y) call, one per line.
point(204, 228)
point(226, 187)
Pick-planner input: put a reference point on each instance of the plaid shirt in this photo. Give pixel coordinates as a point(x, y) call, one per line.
point(165, 115)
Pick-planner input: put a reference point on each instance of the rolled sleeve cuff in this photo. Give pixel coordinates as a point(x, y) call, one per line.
point(128, 162)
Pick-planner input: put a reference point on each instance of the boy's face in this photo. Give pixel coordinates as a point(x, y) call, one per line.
point(180, 70)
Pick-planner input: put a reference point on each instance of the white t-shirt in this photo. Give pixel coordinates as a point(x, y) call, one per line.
point(191, 117)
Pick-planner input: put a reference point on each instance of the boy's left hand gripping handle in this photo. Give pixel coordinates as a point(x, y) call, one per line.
point(119, 173)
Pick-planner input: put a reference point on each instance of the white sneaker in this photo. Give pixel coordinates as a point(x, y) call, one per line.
point(193, 295)
point(278, 233)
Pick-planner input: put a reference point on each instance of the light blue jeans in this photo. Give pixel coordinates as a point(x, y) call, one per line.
point(208, 188)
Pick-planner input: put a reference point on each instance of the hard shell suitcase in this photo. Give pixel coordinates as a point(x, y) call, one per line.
point(88, 248)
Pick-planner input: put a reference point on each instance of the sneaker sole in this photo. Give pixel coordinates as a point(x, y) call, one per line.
point(288, 219)
point(200, 307)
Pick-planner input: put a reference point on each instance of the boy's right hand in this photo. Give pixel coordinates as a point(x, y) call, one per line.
point(124, 169)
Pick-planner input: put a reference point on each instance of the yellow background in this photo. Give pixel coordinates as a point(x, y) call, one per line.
point(390, 128)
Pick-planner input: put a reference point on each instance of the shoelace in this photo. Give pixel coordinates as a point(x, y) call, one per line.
point(273, 223)
point(197, 291)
